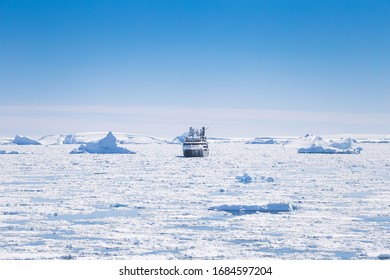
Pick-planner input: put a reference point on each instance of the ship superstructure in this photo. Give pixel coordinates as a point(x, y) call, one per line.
point(195, 144)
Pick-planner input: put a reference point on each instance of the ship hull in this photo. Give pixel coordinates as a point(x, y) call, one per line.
point(195, 153)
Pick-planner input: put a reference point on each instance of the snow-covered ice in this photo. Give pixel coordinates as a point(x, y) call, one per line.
point(106, 145)
point(155, 204)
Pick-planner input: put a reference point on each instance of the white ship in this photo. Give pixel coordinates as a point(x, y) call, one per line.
point(195, 144)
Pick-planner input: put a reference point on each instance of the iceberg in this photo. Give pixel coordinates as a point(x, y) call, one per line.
point(106, 145)
point(179, 139)
point(69, 139)
point(23, 140)
point(317, 145)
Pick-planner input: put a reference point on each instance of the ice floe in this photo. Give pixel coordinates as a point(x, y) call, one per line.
point(23, 140)
point(251, 209)
point(106, 145)
point(317, 145)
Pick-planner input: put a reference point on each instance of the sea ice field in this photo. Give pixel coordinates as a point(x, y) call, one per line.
point(244, 201)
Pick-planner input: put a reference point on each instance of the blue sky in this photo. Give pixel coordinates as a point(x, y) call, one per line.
point(70, 66)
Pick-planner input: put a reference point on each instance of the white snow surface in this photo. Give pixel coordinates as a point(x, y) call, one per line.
point(317, 145)
point(155, 204)
point(106, 145)
point(24, 140)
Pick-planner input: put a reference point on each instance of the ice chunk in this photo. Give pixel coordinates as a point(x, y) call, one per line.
point(244, 178)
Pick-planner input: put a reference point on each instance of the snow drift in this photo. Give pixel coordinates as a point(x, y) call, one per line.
point(106, 145)
point(251, 209)
point(23, 140)
point(317, 145)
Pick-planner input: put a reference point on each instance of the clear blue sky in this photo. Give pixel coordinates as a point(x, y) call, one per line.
point(289, 56)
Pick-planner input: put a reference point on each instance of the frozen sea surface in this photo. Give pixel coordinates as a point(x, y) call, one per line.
point(155, 204)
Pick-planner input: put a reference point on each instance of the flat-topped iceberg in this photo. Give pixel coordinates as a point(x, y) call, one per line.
point(265, 141)
point(317, 145)
point(106, 145)
point(23, 140)
point(251, 209)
